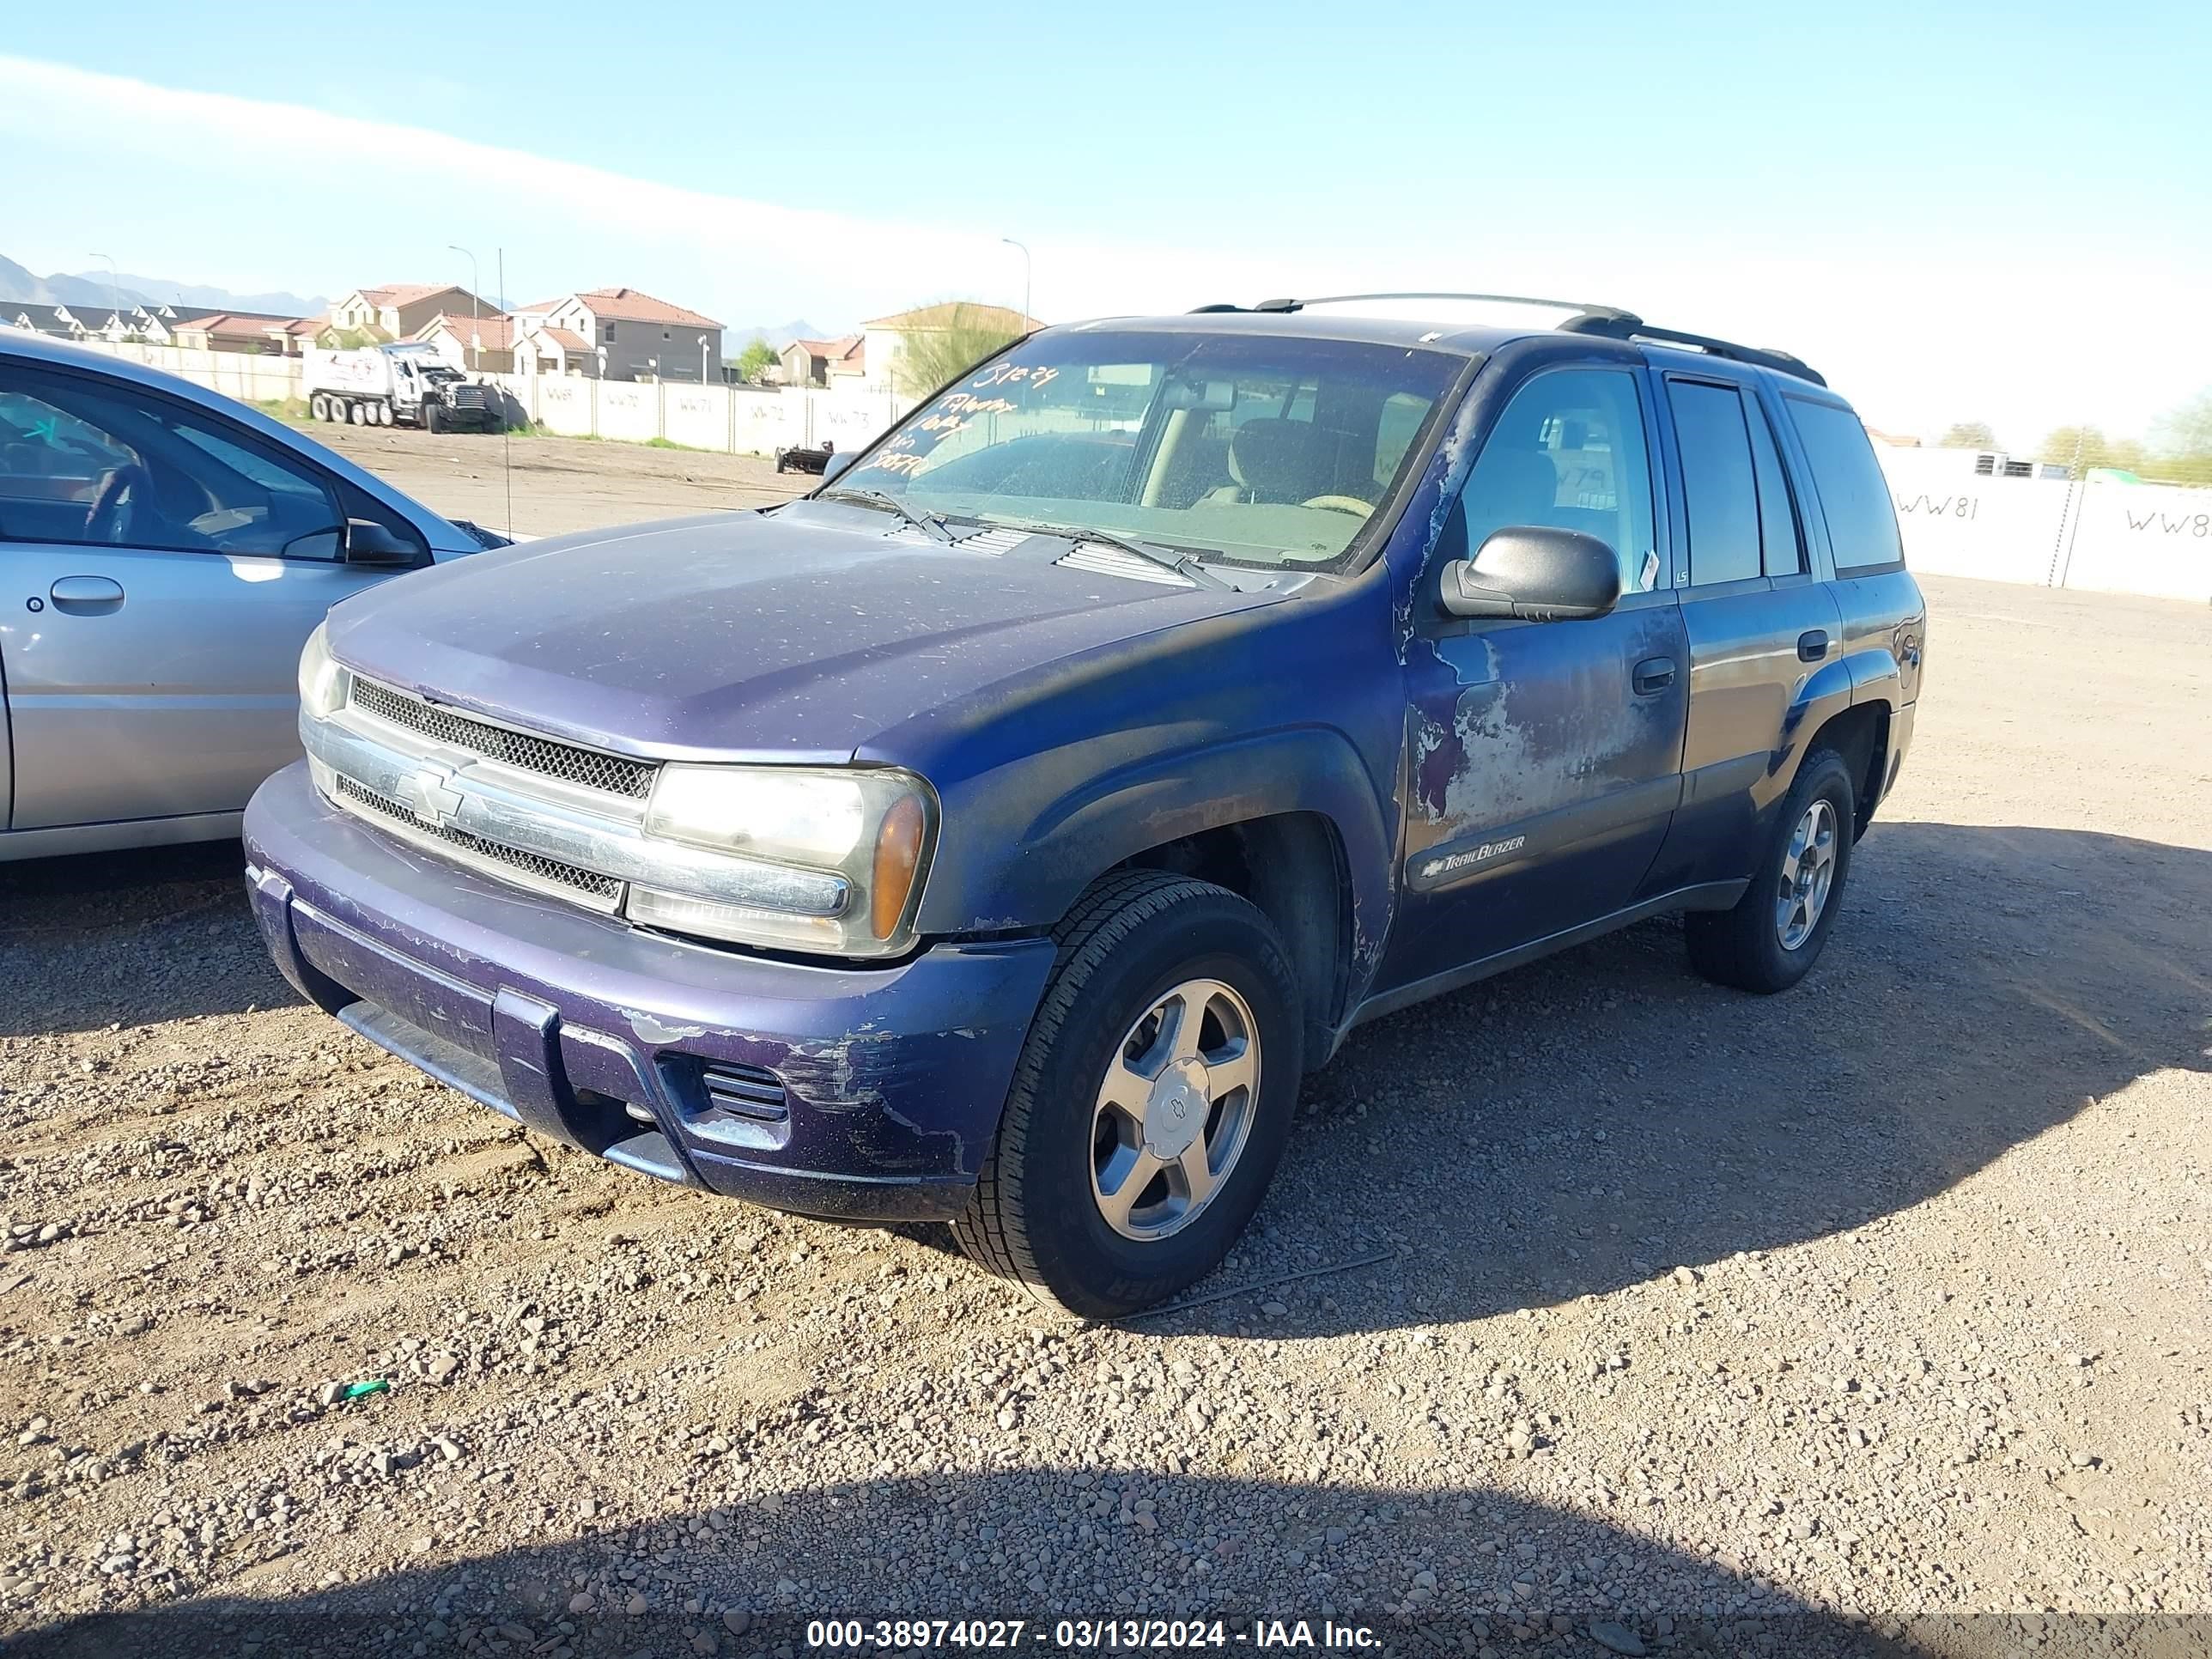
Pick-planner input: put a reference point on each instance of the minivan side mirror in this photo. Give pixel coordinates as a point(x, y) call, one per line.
point(837, 462)
point(369, 543)
point(1535, 573)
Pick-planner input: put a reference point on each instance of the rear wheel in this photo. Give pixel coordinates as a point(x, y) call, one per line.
point(319, 407)
point(1151, 1103)
point(357, 414)
point(1773, 936)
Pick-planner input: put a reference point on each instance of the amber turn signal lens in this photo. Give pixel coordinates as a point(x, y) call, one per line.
point(898, 853)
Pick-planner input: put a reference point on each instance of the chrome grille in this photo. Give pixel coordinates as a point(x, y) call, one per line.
point(593, 770)
point(544, 871)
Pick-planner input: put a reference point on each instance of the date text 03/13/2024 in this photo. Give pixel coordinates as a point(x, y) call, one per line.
point(1107, 1635)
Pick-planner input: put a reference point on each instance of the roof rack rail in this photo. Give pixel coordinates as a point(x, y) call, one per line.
point(1613, 324)
point(1608, 321)
point(1289, 304)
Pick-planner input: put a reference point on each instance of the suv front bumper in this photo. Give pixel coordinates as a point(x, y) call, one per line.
point(860, 1093)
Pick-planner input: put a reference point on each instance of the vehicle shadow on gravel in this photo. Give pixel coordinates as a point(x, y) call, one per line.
point(1605, 1116)
point(1429, 1573)
point(1575, 1127)
point(136, 937)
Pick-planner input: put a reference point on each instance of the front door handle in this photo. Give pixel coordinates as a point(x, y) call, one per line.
point(1813, 645)
point(86, 596)
point(1653, 674)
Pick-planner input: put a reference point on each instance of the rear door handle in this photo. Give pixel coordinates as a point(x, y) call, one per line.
point(1813, 645)
point(86, 596)
point(1652, 675)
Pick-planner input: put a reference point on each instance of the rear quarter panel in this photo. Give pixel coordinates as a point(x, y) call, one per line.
point(1885, 626)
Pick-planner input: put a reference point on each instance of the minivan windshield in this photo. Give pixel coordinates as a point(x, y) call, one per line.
point(1253, 449)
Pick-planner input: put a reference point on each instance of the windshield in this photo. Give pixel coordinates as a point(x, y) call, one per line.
point(1258, 450)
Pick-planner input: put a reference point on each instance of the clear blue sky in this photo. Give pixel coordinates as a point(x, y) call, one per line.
point(1995, 213)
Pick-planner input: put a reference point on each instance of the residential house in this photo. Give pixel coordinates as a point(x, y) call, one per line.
point(815, 362)
point(57, 322)
point(396, 310)
point(541, 347)
point(635, 336)
point(484, 343)
point(884, 336)
point(234, 331)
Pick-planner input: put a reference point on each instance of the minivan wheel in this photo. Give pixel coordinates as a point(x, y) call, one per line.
point(1151, 1103)
point(1773, 936)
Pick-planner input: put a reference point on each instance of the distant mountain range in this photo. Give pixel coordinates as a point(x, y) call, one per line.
point(778, 335)
point(98, 288)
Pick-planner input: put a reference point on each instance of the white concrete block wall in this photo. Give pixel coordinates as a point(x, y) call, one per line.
point(2153, 539)
point(2142, 540)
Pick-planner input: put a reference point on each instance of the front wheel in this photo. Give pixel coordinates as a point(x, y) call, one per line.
point(1151, 1103)
point(434, 419)
point(1773, 936)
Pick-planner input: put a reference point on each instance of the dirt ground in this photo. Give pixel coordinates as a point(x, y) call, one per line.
point(1595, 1308)
point(555, 484)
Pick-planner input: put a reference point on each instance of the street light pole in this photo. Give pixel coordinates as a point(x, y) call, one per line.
point(114, 285)
point(476, 351)
point(1026, 269)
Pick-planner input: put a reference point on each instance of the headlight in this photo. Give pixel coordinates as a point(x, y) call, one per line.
point(841, 855)
point(322, 682)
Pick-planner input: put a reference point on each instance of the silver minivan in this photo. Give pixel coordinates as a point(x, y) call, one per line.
point(164, 553)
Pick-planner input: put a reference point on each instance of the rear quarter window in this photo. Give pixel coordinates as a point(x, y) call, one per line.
point(1854, 495)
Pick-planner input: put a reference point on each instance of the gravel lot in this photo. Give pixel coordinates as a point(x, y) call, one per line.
point(1593, 1305)
point(556, 484)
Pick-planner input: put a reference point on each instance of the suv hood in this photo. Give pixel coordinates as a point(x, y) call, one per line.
point(799, 636)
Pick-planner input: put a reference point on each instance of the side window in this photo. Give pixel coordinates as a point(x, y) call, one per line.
point(86, 461)
point(1568, 450)
point(1854, 495)
point(1779, 535)
point(1718, 486)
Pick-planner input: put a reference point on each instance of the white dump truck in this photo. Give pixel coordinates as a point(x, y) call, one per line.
point(404, 385)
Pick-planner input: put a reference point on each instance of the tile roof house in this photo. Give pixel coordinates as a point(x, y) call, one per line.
point(814, 362)
point(483, 343)
point(884, 335)
point(641, 336)
point(60, 322)
point(396, 311)
point(542, 348)
point(234, 331)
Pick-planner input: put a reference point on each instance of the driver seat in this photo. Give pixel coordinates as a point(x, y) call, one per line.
point(1273, 459)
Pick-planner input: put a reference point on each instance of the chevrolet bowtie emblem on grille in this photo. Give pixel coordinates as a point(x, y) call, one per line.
point(430, 793)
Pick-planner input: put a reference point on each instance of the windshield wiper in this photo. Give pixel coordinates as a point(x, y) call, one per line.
point(884, 501)
point(1167, 558)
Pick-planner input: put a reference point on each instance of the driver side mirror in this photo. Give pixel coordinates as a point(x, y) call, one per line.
point(369, 543)
point(836, 463)
point(1535, 573)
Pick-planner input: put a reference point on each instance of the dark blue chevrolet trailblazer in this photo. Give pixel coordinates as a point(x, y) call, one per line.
point(1000, 832)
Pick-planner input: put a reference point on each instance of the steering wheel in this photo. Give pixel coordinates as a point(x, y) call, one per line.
point(1351, 504)
point(106, 519)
